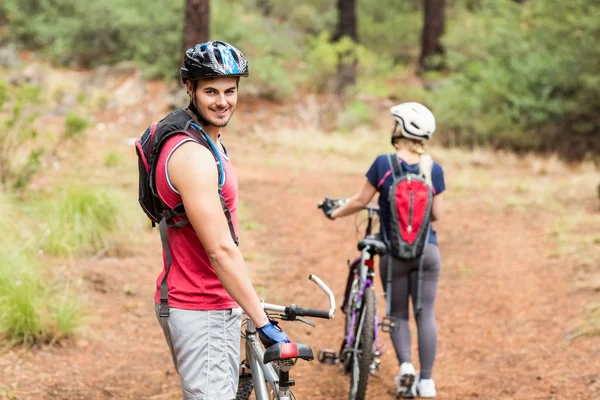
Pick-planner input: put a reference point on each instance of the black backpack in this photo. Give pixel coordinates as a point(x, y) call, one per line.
point(148, 150)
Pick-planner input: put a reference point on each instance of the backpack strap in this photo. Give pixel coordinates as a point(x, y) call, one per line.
point(163, 310)
point(214, 150)
point(395, 165)
point(227, 213)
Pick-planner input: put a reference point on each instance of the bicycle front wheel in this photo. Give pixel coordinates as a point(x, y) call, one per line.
point(346, 356)
point(363, 356)
point(245, 387)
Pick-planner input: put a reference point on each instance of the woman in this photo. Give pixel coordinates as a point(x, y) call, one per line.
point(415, 125)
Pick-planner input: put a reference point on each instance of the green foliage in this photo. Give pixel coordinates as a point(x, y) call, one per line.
point(390, 29)
point(310, 16)
point(322, 58)
point(75, 126)
point(321, 61)
point(356, 113)
point(33, 307)
point(20, 151)
point(82, 221)
point(113, 159)
point(519, 75)
point(526, 77)
point(108, 31)
point(268, 47)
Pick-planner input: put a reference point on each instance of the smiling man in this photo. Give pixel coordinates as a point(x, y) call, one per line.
point(204, 281)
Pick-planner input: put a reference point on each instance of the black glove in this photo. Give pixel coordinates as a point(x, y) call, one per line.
point(328, 206)
point(271, 334)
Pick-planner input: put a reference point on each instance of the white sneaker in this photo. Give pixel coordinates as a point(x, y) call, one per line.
point(426, 388)
point(405, 381)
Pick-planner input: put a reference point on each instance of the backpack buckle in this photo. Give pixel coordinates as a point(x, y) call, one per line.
point(163, 311)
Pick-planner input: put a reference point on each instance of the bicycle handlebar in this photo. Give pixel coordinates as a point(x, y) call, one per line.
point(293, 311)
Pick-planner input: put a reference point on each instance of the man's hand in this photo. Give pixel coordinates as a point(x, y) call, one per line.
point(271, 334)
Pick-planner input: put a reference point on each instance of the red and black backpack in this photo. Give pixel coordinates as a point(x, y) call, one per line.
point(148, 150)
point(411, 201)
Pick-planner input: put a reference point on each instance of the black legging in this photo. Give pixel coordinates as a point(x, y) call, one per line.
point(404, 284)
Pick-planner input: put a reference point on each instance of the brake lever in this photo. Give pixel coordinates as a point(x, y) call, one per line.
point(306, 321)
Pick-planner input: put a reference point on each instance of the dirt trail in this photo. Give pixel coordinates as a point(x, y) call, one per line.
point(503, 309)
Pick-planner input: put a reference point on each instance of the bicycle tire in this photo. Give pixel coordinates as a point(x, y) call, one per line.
point(366, 336)
point(347, 360)
point(245, 387)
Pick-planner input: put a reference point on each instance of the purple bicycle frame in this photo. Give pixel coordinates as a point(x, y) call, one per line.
point(350, 338)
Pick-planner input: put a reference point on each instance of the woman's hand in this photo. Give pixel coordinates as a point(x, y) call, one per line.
point(330, 205)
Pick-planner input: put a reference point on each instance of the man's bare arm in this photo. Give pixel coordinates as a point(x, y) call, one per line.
point(194, 174)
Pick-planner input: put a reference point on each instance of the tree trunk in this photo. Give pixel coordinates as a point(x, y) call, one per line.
point(196, 24)
point(433, 29)
point(265, 7)
point(347, 26)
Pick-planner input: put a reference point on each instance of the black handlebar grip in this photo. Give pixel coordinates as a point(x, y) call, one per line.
point(312, 312)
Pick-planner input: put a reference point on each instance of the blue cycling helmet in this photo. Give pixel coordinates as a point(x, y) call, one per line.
point(213, 59)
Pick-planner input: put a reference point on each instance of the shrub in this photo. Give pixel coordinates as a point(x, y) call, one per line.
point(75, 126)
point(82, 221)
point(268, 47)
point(108, 31)
point(354, 114)
point(525, 78)
point(20, 151)
point(33, 307)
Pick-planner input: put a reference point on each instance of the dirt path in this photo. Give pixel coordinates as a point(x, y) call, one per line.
point(503, 309)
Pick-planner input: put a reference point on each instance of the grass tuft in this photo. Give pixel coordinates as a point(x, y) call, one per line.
point(82, 221)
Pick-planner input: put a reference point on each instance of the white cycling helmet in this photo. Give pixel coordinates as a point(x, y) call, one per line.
point(415, 121)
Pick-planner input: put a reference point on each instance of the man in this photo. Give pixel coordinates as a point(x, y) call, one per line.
point(207, 278)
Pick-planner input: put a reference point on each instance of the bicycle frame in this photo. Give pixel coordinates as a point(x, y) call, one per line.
point(261, 373)
point(360, 278)
point(265, 375)
point(365, 280)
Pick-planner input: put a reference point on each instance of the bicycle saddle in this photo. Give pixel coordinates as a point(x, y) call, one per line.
point(374, 243)
point(287, 351)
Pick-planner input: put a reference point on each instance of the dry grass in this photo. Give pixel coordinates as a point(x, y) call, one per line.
point(590, 325)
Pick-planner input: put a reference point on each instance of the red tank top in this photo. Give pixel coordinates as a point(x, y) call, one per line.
point(193, 283)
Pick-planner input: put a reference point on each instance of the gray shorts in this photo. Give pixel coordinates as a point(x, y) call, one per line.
point(205, 346)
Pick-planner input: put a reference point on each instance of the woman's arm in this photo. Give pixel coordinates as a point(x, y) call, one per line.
point(356, 202)
point(437, 207)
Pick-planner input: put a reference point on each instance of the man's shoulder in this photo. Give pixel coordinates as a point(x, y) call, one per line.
point(182, 145)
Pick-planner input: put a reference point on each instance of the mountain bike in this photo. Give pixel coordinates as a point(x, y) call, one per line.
point(270, 369)
point(359, 352)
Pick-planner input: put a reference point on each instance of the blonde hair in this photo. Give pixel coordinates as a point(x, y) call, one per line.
point(412, 145)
